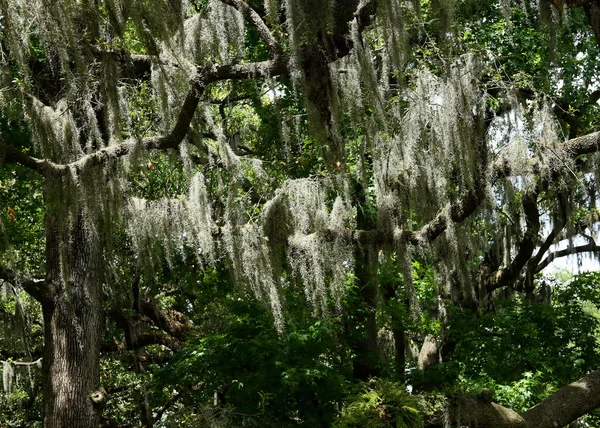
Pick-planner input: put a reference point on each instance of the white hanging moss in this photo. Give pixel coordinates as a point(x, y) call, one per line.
point(115, 103)
point(435, 153)
point(165, 228)
point(550, 153)
point(272, 7)
point(295, 218)
point(342, 215)
point(54, 132)
point(217, 35)
point(8, 376)
point(306, 201)
point(322, 266)
point(231, 161)
point(390, 18)
point(370, 85)
point(170, 86)
point(404, 261)
point(346, 79)
point(252, 267)
point(16, 19)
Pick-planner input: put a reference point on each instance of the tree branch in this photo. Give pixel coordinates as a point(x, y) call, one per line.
point(37, 363)
point(14, 155)
point(36, 288)
point(254, 18)
point(140, 64)
point(173, 322)
point(205, 76)
point(526, 246)
point(533, 264)
point(567, 404)
point(365, 13)
point(588, 248)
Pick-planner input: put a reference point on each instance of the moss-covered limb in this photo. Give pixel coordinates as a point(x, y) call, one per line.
point(170, 141)
point(254, 70)
point(139, 334)
point(587, 248)
point(534, 263)
point(134, 65)
point(365, 13)
point(567, 404)
point(254, 18)
point(479, 411)
point(561, 408)
point(585, 144)
point(510, 273)
point(36, 288)
point(14, 155)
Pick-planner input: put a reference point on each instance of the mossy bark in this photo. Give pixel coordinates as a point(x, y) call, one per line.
point(72, 326)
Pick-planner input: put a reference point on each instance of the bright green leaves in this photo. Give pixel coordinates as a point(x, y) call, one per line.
point(382, 403)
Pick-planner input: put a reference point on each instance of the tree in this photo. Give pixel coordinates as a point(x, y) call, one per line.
point(311, 145)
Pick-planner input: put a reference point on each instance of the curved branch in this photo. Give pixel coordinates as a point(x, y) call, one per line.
point(36, 288)
point(37, 363)
point(567, 404)
point(263, 31)
point(526, 246)
point(588, 248)
point(533, 264)
point(365, 13)
point(14, 155)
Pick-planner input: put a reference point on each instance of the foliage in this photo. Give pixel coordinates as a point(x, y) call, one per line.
point(522, 350)
point(400, 180)
point(382, 403)
point(263, 378)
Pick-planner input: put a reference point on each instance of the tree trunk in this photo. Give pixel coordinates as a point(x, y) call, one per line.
point(592, 10)
point(366, 362)
point(400, 346)
point(72, 321)
point(365, 346)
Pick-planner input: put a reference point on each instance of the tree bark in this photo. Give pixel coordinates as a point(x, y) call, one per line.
point(365, 346)
point(558, 410)
point(72, 326)
point(567, 404)
point(592, 10)
point(366, 362)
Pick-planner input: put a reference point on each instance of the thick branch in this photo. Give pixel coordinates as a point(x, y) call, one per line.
point(135, 65)
point(254, 18)
point(14, 155)
point(365, 13)
point(558, 410)
point(588, 248)
point(533, 264)
point(567, 404)
point(37, 363)
point(36, 288)
point(179, 131)
point(585, 144)
point(173, 322)
point(526, 246)
point(456, 213)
